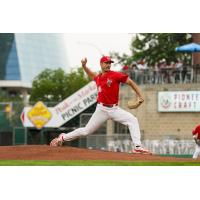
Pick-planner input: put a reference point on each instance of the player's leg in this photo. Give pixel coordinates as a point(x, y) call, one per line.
point(128, 119)
point(97, 119)
point(131, 121)
point(196, 152)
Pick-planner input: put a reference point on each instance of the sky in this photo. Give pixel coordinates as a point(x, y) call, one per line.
point(93, 46)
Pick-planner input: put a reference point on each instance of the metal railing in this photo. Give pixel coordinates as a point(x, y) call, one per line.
point(166, 75)
point(123, 143)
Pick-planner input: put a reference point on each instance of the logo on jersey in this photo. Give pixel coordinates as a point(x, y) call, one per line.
point(109, 81)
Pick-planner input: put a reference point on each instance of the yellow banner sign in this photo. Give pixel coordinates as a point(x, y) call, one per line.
point(39, 115)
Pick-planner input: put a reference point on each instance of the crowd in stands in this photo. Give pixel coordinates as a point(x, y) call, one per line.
point(160, 73)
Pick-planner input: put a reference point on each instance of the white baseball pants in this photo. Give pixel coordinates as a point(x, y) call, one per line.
point(101, 115)
point(196, 152)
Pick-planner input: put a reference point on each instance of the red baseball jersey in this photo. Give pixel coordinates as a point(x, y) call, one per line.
point(196, 131)
point(108, 86)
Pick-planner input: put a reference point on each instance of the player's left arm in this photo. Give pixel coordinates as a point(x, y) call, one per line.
point(136, 89)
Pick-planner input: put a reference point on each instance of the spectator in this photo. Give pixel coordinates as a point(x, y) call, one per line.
point(125, 69)
point(178, 71)
point(134, 71)
point(179, 65)
point(162, 64)
point(165, 71)
point(142, 71)
point(142, 65)
point(156, 73)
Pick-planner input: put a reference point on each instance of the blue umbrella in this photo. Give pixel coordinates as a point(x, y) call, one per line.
point(192, 47)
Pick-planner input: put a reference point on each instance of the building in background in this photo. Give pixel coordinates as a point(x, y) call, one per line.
point(196, 55)
point(24, 55)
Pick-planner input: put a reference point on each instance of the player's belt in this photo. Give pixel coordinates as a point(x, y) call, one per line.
point(108, 105)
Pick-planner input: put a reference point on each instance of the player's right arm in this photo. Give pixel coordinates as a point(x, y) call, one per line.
point(90, 73)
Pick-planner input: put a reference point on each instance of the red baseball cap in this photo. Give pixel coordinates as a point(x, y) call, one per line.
point(106, 59)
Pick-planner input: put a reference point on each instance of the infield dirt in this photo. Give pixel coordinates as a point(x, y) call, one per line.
point(45, 152)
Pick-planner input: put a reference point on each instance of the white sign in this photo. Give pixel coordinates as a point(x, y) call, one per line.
point(179, 101)
point(69, 108)
point(76, 103)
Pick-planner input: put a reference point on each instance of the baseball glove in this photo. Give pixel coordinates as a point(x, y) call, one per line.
point(133, 104)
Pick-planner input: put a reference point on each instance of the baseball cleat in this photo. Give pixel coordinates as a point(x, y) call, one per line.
point(140, 150)
point(58, 141)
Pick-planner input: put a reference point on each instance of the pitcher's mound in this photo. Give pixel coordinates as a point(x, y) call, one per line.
point(45, 152)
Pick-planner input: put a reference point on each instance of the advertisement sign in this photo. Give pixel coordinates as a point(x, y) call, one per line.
point(179, 101)
point(76, 103)
point(41, 116)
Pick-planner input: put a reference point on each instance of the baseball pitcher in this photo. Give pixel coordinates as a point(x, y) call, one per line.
point(196, 137)
point(108, 83)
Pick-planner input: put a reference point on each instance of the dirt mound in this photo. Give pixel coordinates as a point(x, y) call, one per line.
point(45, 152)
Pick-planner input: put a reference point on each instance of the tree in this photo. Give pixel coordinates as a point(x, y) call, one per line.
point(56, 85)
point(76, 80)
point(154, 47)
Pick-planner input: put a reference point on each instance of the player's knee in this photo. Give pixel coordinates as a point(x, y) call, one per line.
point(134, 120)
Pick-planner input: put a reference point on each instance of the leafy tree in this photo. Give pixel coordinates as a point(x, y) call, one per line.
point(56, 85)
point(76, 80)
point(153, 47)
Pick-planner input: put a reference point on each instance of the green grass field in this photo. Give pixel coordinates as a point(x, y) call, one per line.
point(92, 163)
